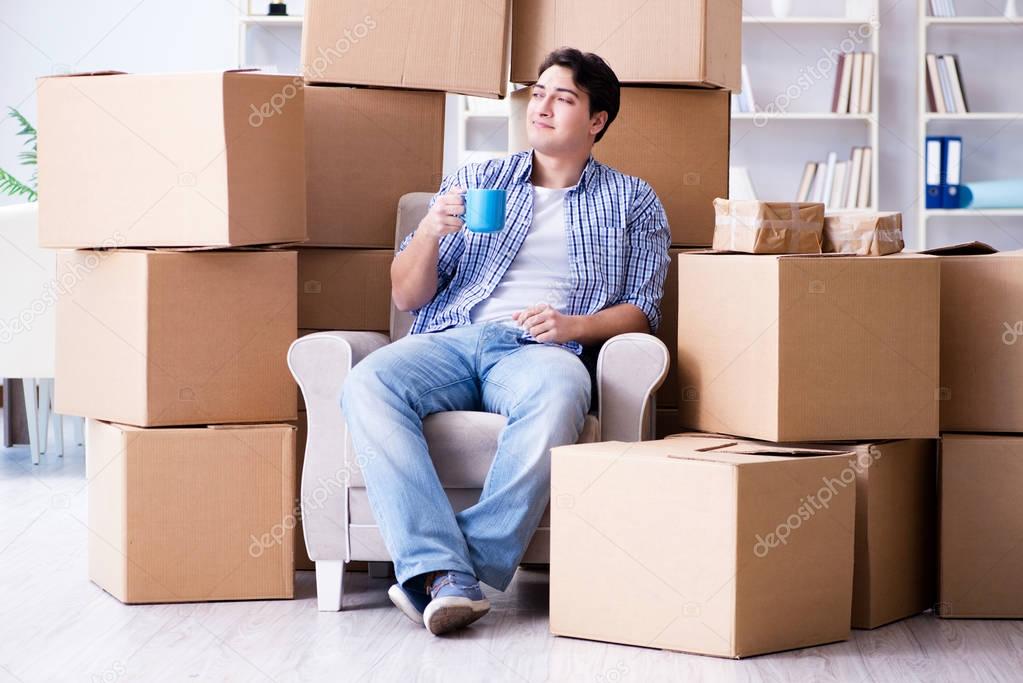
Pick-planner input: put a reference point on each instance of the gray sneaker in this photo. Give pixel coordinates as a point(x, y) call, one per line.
point(456, 601)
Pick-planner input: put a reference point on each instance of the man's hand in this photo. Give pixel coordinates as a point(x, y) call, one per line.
point(547, 324)
point(445, 216)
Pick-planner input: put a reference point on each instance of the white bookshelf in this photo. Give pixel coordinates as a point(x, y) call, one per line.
point(800, 30)
point(978, 26)
point(249, 19)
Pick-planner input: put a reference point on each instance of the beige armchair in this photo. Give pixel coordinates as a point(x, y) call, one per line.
point(337, 520)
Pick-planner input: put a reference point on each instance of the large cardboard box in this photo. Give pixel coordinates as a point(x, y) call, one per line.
point(896, 529)
point(345, 289)
point(809, 348)
point(155, 338)
point(981, 337)
point(365, 148)
point(675, 139)
point(667, 332)
point(191, 514)
point(447, 45)
point(671, 42)
point(981, 555)
point(179, 160)
point(700, 544)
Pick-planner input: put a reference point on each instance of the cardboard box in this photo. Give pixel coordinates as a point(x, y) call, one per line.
point(695, 42)
point(809, 348)
point(448, 45)
point(191, 514)
point(171, 160)
point(863, 233)
point(757, 227)
point(896, 529)
point(345, 289)
point(675, 139)
point(711, 546)
point(981, 555)
point(981, 336)
point(155, 338)
point(667, 332)
point(365, 148)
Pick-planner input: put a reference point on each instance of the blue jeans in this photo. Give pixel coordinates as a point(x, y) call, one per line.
point(544, 391)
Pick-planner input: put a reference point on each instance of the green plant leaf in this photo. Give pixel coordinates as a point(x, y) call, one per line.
point(13, 187)
point(27, 128)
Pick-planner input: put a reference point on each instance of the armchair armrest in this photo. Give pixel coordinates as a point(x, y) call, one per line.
point(320, 363)
point(630, 368)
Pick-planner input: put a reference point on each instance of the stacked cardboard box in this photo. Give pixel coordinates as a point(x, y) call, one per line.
point(170, 338)
point(376, 82)
point(981, 461)
point(827, 348)
point(677, 63)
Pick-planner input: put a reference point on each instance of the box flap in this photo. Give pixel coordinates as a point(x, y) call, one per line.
point(962, 249)
point(85, 73)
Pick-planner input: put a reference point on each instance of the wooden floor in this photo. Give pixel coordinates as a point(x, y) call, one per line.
point(57, 626)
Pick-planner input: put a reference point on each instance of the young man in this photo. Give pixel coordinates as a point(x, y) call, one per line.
point(500, 322)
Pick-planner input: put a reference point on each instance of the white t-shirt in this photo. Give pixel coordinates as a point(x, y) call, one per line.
point(541, 271)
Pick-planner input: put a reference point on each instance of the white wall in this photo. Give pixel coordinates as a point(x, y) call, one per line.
point(42, 37)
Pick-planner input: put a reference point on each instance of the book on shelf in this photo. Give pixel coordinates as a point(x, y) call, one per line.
point(838, 184)
point(806, 184)
point(943, 8)
point(943, 162)
point(854, 83)
point(945, 92)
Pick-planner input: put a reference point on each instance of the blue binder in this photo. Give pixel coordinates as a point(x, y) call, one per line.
point(934, 171)
point(952, 176)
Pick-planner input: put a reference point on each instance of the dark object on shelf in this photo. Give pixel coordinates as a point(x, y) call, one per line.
point(278, 9)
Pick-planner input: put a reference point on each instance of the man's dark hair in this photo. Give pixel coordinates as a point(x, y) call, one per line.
point(594, 76)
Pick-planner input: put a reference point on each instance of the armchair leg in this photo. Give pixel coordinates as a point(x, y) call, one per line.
point(330, 585)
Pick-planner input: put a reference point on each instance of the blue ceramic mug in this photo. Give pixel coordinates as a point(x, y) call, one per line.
point(484, 210)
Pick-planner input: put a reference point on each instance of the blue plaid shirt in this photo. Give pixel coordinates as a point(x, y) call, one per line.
point(617, 235)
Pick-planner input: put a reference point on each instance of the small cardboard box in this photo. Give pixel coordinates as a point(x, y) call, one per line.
point(700, 544)
point(191, 514)
point(171, 160)
point(981, 339)
point(757, 227)
point(809, 348)
point(365, 148)
point(981, 555)
point(694, 43)
point(896, 529)
point(863, 233)
point(157, 338)
point(676, 139)
point(447, 45)
point(345, 289)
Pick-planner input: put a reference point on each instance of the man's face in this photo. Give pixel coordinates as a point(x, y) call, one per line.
point(558, 117)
